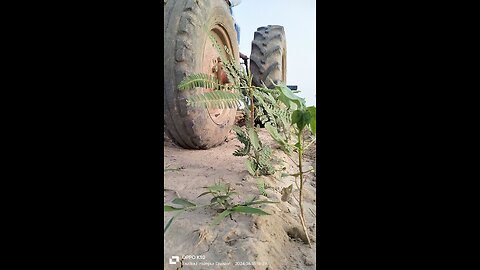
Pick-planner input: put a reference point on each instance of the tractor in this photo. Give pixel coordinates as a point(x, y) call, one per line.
point(189, 50)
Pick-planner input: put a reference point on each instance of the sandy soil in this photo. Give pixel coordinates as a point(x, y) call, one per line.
point(270, 242)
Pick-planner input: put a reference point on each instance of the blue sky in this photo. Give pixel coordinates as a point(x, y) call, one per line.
point(298, 19)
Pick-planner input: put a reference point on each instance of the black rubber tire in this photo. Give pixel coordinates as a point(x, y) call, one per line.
point(185, 41)
point(268, 58)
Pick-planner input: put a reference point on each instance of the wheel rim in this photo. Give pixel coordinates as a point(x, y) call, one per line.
point(210, 59)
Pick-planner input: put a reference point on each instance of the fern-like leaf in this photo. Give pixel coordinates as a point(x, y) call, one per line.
point(242, 137)
point(199, 80)
point(240, 152)
point(254, 139)
point(251, 166)
point(216, 100)
point(261, 187)
point(264, 161)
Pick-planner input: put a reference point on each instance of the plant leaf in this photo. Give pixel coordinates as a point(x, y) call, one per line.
point(216, 100)
point(205, 193)
point(264, 161)
point(251, 167)
point(296, 116)
point(297, 145)
point(288, 97)
point(219, 199)
point(249, 210)
point(253, 135)
point(261, 187)
point(257, 202)
point(313, 120)
point(218, 188)
point(183, 202)
point(242, 137)
point(168, 224)
point(199, 80)
point(301, 118)
point(170, 169)
point(168, 208)
point(220, 217)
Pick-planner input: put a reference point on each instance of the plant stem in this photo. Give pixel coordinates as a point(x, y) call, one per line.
point(302, 216)
point(252, 121)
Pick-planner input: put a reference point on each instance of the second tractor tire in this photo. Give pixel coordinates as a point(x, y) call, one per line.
point(268, 58)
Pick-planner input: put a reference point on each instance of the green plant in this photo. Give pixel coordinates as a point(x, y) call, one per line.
point(168, 169)
point(281, 111)
point(259, 155)
point(240, 92)
point(262, 187)
point(221, 193)
point(187, 205)
point(222, 200)
point(302, 118)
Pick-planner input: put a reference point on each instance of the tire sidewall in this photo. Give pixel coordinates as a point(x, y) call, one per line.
point(189, 127)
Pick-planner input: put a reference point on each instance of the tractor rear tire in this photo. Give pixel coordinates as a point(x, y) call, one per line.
point(268, 58)
point(189, 50)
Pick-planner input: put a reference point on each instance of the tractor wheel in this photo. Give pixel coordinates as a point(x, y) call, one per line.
point(268, 59)
point(188, 50)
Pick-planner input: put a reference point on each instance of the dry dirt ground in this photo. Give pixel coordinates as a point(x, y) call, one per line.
point(270, 242)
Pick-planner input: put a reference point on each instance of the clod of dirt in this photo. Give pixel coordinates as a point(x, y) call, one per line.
point(296, 233)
